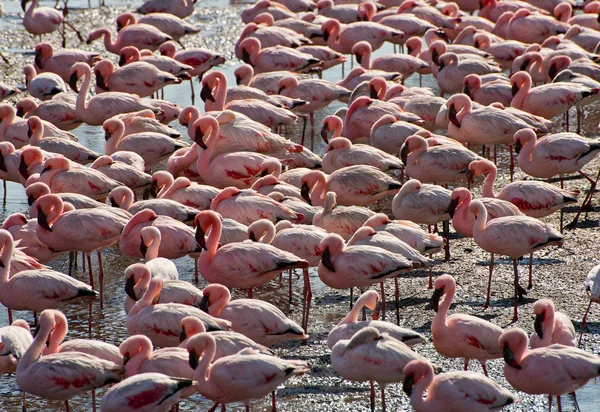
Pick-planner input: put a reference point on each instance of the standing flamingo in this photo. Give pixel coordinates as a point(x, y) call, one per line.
point(343, 221)
point(550, 326)
point(275, 58)
point(60, 61)
point(592, 283)
point(142, 36)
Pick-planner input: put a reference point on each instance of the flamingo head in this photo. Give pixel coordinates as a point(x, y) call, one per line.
point(459, 195)
point(45, 205)
point(521, 138)
point(540, 307)
point(328, 26)
point(471, 84)
point(132, 274)
point(16, 219)
point(42, 50)
point(480, 167)
point(510, 341)
point(443, 285)
point(330, 244)
point(111, 126)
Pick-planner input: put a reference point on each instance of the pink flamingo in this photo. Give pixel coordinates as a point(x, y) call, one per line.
point(593, 292)
point(165, 22)
point(24, 231)
point(429, 13)
point(405, 64)
point(341, 220)
point(372, 356)
point(389, 134)
point(455, 391)
point(41, 20)
point(72, 150)
point(487, 93)
point(344, 13)
point(551, 327)
point(43, 86)
point(179, 8)
point(140, 78)
point(544, 370)
point(329, 57)
point(443, 163)
point(563, 12)
point(255, 264)
point(64, 374)
point(461, 335)
point(277, 10)
point(98, 109)
point(527, 235)
point(60, 177)
point(358, 75)
point(559, 154)
point(504, 52)
point(350, 324)
point(62, 231)
point(123, 197)
point(7, 91)
point(270, 184)
point(310, 30)
point(248, 206)
point(122, 172)
point(258, 320)
point(131, 54)
point(182, 190)
point(452, 71)
point(544, 100)
point(157, 266)
point(275, 58)
point(152, 147)
point(533, 197)
point(142, 36)
point(15, 340)
point(493, 9)
point(270, 36)
point(241, 377)
point(584, 37)
point(36, 190)
point(359, 185)
point(138, 277)
point(161, 322)
point(60, 61)
point(134, 390)
point(267, 114)
point(59, 112)
point(533, 28)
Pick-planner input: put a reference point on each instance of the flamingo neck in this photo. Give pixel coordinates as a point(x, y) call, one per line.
point(416, 397)
point(112, 144)
point(413, 157)
point(526, 152)
point(319, 191)
point(488, 184)
point(152, 252)
point(212, 242)
point(205, 156)
point(5, 258)
point(203, 369)
point(7, 121)
point(352, 316)
point(465, 110)
point(34, 352)
point(127, 199)
point(108, 43)
point(365, 62)
point(548, 328)
point(334, 39)
point(32, 7)
point(141, 285)
point(221, 93)
point(536, 67)
point(143, 303)
point(57, 336)
point(439, 320)
point(519, 98)
point(137, 360)
point(480, 221)
point(223, 300)
point(80, 105)
point(36, 137)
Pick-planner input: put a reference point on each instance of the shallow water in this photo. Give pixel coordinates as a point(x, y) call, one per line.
point(221, 24)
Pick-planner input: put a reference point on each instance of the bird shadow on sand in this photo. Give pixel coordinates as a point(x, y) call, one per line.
point(336, 388)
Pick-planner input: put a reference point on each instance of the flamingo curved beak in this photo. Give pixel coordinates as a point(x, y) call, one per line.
point(129, 284)
point(206, 94)
point(467, 91)
point(514, 89)
point(358, 57)
point(107, 135)
point(305, 192)
point(24, 4)
point(73, 82)
point(126, 358)
point(435, 298)
point(24, 173)
point(373, 93)
point(407, 385)
point(246, 57)
point(193, 359)
point(100, 81)
point(43, 220)
point(182, 335)
point(20, 112)
point(470, 176)
point(204, 304)
point(404, 154)
point(199, 138)
point(435, 58)
point(452, 116)
point(537, 324)
point(153, 189)
point(143, 248)
point(325, 34)
point(325, 132)
point(518, 146)
point(200, 239)
point(252, 237)
point(38, 59)
point(452, 208)
point(30, 200)
point(326, 260)
point(29, 132)
point(509, 357)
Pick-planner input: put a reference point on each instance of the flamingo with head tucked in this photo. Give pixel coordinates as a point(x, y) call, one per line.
point(60, 61)
point(15, 339)
point(275, 58)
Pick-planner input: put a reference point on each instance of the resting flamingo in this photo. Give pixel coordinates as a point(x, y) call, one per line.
point(179, 8)
point(131, 176)
point(43, 86)
point(123, 197)
point(341, 220)
point(165, 22)
point(161, 322)
point(528, 27)
point(60, 61)
point(275, 58)
point(64, 374)
point(513, 236)
point(98, 109)
point(372, 356)
point(550, 326)
point(217, 265)
point(340, 152)
point(554, 370)
point(59, 112)
point(241, 377)
point(403, 63)
point(24, 231)
point(452, 391)
point(182, 190)
point(15, 340)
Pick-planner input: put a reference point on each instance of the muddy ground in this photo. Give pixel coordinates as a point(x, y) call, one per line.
point(558, 272)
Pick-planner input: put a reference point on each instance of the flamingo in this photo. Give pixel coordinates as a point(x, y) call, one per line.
point(258, 320)
point(120, 171)
point(251, 206)
point(359, 185)
point(165, 22)
point(132, 393)
point(389, 134)
point(350, 324)
point(275, 58)
point(533, 197)
point(142, 36)
point(98, 109)
point(461, 335)
point(373, 356)
point(405, 64)
point(341, 220)
point(43, 20)
point(254, 265)
point(551, 327)
point(277, 10)
point(443, 163)
point(493, 9)
point(60, 61)
point(59, 112)
point(487, 93)
point(179, 8)
point(63, 231)
point(452, 71)
point(526, 235)
point(36, 190)
point(43, 86)
point(7, 91)
point(452, 391)
point(123, 196)
point(340, 152)
point(200, 59)
point(270, 37)
point(161, 321)
point(152, 147)
point(504, 52)
point(528, 27)
point(560, 154)
point(130, 54)
point(239, 377)
point(15, 340)
point(182, 190)
point(539, 371)
point(141, 78)
point(157, 266)
point(583, 36)
point(270, 184)
point(24, 232)
point(267, 114)
point(591, 287)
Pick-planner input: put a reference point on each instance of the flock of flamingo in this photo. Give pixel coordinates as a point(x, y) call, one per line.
point(247, 203)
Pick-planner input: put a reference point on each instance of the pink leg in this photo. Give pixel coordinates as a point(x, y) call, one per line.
point(516, 270)
point(10, 317)
point(308, 298)
point(274, 405)
point(195, 270)
point(192, 87)
point(549, 402)
point(558, 397)
point(250, 293)
point(93, 400)
point(101, 280)
point(290, 285)
point(214, 407)
point(583, 321)
point(83, 261)
point(489, 290)
point(397, 297)
point(512, 162)
point(466, 367)
point(588, 198)
point(530, 284)
point(372, 396)
point(430, 285)
point(485, 372)
point(67, 406)
point(382, 300)
point(312, 130)
point(383, 399)
point(91, 275)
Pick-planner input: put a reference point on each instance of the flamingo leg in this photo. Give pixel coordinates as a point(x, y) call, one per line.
point(485, 372)
point(274, 405)
point(550, 402)
point(214, 407)
point(67, 406)
point(372, 397)
point(4, 186)
point(574, 396)
point(195, 270)
point(290, 285)
point(192, 87)
point(303, 129)
point(512, 162)
point(516, 270)
point(430, 285)
point(308, 297)
point(446, 236)
point(91, 275)
point(562, 212)
point(559, 404)
point(466, 365)
point(489, 289)
point(397, 297)
point(10, 317)
point(383, 399)
point(587, 200)
point(93, 400)
point(71, 254)
point(312, 129)
point(530, 284)
point(24, 407)
point(351, 297)
point(250, 293)
point(101, 279)
point(83, 261)
point(583, 321)
point(382, 300)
